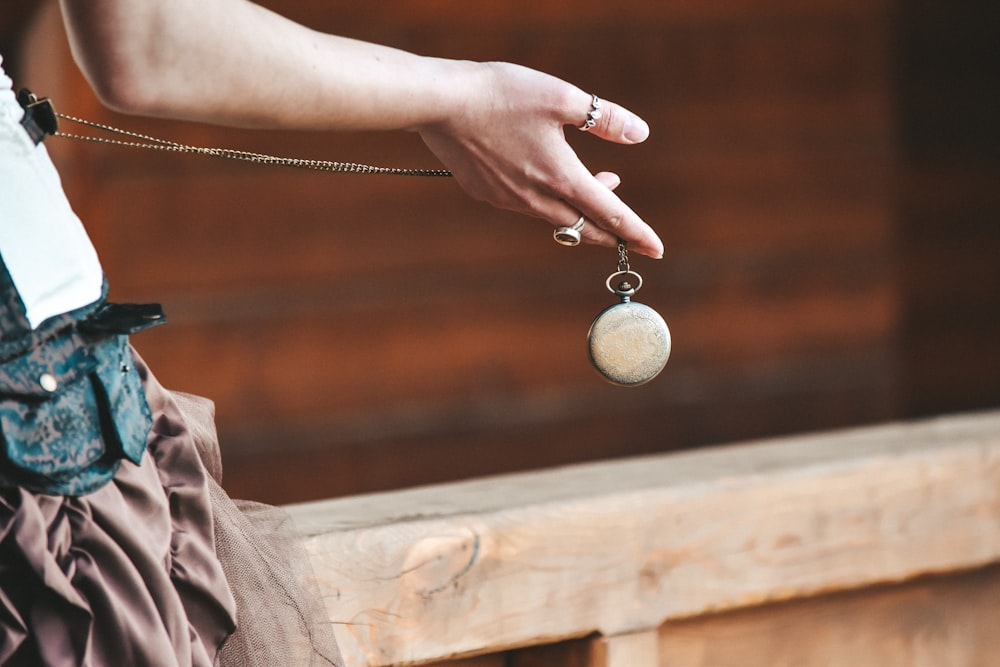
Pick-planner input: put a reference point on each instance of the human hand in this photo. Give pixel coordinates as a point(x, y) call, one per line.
point(507, 146)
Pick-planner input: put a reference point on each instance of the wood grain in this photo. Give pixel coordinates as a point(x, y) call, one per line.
point(622, 546)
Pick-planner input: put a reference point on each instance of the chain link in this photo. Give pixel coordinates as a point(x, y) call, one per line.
point(623, 266)
point(152, 143)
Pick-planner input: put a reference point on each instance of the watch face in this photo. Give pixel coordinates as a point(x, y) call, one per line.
point(629, 343)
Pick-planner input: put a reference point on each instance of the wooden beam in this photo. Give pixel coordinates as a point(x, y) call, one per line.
point(622, 546)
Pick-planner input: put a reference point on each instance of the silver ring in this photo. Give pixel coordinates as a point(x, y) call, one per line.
point(569, 236)
point(593, 114)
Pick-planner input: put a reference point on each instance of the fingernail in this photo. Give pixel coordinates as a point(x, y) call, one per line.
point(636, 130)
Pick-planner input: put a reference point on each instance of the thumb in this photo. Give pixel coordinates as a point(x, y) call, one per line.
point(614, 122)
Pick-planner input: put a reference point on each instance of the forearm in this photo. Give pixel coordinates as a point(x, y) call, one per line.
point(500, 128)
point(232, 62)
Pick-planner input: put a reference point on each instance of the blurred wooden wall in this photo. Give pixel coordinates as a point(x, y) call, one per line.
point(364, 332)
point(949, 97)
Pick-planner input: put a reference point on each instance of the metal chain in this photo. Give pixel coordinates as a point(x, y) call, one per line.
point(152, 143)
point(623, 266)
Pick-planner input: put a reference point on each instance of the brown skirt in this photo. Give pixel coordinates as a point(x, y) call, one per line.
point(144, 570)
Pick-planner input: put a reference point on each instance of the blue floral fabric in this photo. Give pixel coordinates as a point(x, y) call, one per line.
point(70, 409)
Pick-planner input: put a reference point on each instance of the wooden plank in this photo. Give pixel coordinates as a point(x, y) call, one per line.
point(324, 362)
point(636, 649)
point(381, 449)
point(622, 546)
point(494, 660)
point(297, 242)
point(573, 653)
point(930, 622)
point(456, 16)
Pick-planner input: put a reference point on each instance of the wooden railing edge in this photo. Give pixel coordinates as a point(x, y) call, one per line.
point(619, 547)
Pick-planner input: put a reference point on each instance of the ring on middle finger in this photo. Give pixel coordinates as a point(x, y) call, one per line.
point(569, 236)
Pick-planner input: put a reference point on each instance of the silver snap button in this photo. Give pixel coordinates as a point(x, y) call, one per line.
point(48, 382)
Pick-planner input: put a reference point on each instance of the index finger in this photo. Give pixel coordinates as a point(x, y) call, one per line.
point(608, 213)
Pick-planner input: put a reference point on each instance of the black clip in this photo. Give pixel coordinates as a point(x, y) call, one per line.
point(39, 115)
point(124, 318)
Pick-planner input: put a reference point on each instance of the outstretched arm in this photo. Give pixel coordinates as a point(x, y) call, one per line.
point(499, 127)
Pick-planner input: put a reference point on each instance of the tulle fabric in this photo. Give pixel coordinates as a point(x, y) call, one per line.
point(281, 617)
point(157, 567)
